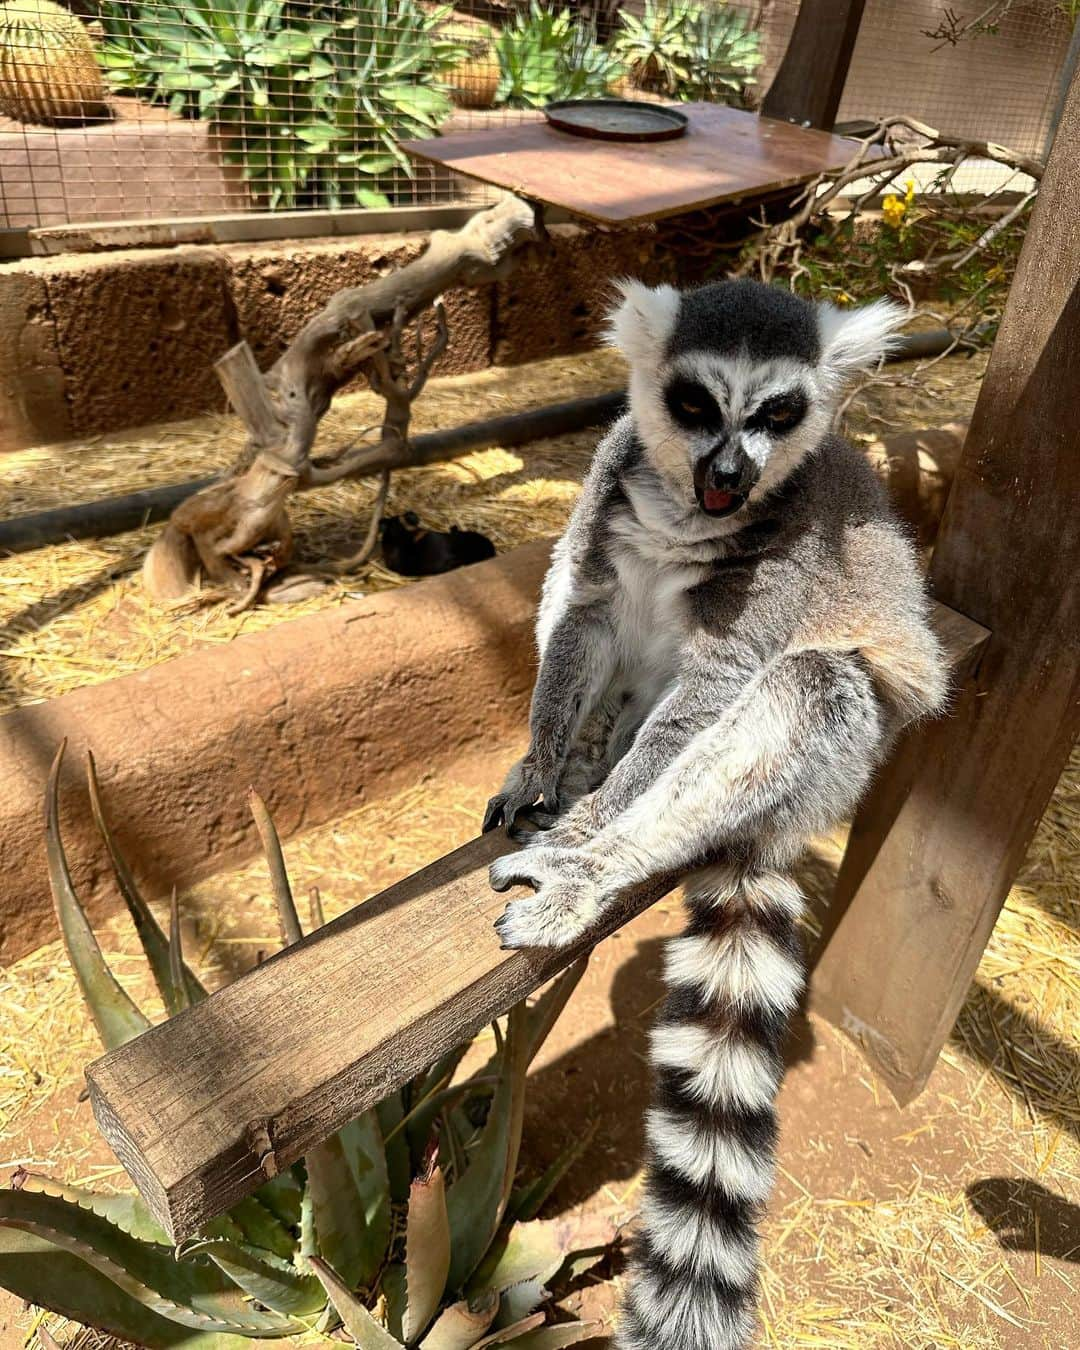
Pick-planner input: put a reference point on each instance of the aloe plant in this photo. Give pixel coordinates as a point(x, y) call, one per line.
point(689, 51)
point(311, 100)
point(403, 1229)
point(546, 54)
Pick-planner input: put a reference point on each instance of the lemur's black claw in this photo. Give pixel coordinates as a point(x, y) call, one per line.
point(493, 815)
point(500, 928)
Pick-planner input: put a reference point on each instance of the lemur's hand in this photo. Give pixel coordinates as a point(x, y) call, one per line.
point(570, 891)
point(530, 780)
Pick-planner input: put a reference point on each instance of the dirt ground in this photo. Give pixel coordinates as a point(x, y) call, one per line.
point(952, 1223)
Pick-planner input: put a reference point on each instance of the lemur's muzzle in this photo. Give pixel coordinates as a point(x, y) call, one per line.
point(724, 479)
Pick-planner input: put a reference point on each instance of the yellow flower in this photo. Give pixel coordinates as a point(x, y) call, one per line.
point(844, 299)
point(894, 210)
point(909, 195)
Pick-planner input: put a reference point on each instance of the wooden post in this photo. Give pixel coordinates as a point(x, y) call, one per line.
point(933, 857)
point(810, 82)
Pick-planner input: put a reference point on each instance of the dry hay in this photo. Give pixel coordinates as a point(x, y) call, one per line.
point(75, 614)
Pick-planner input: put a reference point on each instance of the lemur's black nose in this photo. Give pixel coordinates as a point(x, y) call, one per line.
point(724, 478)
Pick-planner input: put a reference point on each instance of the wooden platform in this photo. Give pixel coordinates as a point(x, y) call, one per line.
point(726, 155)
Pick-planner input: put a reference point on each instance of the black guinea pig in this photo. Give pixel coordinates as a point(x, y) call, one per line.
point(412, 551)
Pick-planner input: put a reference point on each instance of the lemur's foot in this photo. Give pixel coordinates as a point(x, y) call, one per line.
point(526, 783)
point(567, 903)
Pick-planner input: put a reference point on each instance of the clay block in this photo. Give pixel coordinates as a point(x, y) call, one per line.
point(319, 714)
point(555, 302)
point(276, 288)
point(137, 334)
point(33, 406)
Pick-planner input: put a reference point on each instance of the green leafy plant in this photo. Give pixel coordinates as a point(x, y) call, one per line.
point(401, 1229)
point(689, 51)
point(311, 101)
point(546, 54)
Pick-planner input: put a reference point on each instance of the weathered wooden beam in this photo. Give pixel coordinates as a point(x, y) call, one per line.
point(810, 82)
point(203, 1108)
point(952, 837)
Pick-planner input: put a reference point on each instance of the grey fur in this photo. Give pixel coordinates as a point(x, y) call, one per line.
point(712, 693)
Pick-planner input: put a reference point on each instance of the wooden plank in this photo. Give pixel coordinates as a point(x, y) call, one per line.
point(1008, 554)
point(810, 82)
point(727, 154)
point(204, 1107)
point(965, 642)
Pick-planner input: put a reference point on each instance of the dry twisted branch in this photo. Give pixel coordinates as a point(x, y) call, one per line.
point(236, 533)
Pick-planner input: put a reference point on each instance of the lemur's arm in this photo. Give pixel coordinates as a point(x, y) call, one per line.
point(736, 633)
point(576, 664)
point(791, 755)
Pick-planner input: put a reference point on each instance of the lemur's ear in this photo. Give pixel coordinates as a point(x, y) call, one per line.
point(853, 340)
point(642, 320)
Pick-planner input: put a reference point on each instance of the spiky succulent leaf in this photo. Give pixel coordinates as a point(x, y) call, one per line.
point(555, 1338)
point(40, 1273)
point(545, 1012)
point(357, 1321)
point(115, 1015)
point(282, 1196)
point(391, 1115)
point(539, 1250)
point(512, 1331)
point(461, 1325)
point(279, 877)
point(476, 1201)
point(349, 1197)
point(253, 1223)
point(154, 942)
point(266, 1278)
point(126, 1211)
point(527, 1202)
point(427, 1250)
point(194, 1294)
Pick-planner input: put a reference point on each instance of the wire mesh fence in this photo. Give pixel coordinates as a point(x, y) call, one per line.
point(151, 110)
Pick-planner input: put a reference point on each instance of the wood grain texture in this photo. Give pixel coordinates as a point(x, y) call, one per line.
point(1008, 555)
point(203, 1108)
point(726, 154)
point(810, 82)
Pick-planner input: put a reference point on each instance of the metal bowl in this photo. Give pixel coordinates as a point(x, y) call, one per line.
point(616, 119)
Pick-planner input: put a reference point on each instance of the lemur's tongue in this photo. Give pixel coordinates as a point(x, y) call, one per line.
point(717, 501)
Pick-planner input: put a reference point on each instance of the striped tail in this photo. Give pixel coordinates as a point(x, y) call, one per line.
point(734, 979)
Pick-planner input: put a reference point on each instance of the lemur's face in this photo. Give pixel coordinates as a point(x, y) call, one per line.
point(732, 429)
point(732, 385)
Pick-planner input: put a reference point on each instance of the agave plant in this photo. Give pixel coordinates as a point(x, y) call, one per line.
point(546, 54)
point(310, 100)
point(688, 50)
point(404, 1228)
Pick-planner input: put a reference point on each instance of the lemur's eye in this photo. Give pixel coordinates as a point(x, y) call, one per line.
point(784, 416)
point(780, 414)
point(691, 404)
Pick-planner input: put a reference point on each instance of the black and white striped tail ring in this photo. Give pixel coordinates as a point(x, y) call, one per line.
point(734, 980)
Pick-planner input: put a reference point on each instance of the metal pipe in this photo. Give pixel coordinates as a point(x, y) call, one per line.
point(114, 515)
point(133, 510)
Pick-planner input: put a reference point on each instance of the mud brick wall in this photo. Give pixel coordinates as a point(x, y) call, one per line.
point(93, 343)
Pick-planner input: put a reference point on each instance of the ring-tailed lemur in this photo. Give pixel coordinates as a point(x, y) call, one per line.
point(732, 629)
